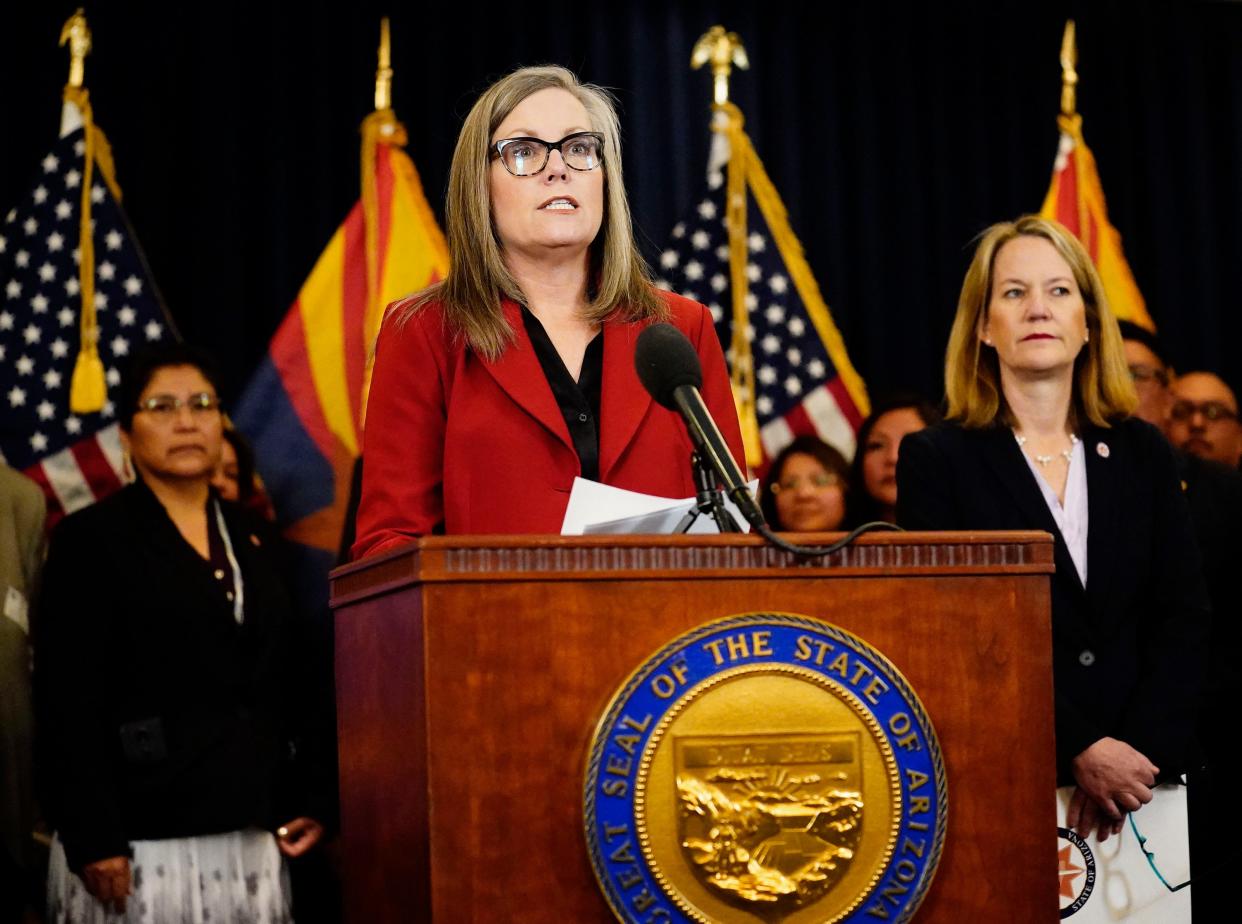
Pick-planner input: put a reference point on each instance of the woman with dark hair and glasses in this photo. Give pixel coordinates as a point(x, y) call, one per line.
point(495, 388)
point(166, 663)
point(1039, 436)
point(804, 490)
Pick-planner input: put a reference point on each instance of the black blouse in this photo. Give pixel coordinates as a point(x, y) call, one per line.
point(578, 401)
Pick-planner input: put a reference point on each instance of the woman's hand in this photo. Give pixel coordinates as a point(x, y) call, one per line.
point(109, 881)
point(298, 836)
point(1113, 778)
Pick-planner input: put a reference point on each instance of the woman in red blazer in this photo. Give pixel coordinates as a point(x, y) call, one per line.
point(495, 388)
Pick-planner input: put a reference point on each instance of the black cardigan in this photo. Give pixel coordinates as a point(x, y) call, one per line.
point(1127, 649)
point(158, 715)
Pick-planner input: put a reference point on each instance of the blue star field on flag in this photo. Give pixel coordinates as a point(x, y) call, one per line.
point(797, 388)
point(75, 457)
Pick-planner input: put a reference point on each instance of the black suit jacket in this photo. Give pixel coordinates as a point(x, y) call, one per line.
point(158, 715)
point(1214, 494)
point(1127, 649)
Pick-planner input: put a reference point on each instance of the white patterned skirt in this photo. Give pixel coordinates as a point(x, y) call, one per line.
point(234, 878)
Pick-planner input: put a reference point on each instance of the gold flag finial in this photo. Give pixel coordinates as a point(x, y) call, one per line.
point(383, 74)
point(1069, 75)
point(77, 35)
point(724, 51)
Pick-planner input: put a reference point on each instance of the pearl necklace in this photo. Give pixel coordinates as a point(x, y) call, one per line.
point(1066, 454)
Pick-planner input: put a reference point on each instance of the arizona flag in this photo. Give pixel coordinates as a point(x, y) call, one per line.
point(303, 409)
point(1076, 200)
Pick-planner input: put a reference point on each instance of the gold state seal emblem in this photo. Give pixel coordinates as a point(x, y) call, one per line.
point(770, 769)
point(770, 818)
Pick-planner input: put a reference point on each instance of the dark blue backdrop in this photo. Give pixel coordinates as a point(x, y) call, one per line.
point(895, 132)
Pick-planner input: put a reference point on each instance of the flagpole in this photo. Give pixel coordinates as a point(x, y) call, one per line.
point(723, 50)
point(1070, 122)
point(77, 35)
point(88, 389)
point(1069, 74)
point(379, 128)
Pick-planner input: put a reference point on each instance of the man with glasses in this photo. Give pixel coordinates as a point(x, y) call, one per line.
point(1203, 418)
point(1150, 371)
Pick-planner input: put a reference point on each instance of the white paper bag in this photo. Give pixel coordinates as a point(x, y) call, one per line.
point(1114, 881)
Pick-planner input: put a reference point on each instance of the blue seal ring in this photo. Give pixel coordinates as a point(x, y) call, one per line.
point(635, 720)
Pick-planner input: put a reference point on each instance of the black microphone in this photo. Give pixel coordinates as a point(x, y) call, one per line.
point(669, 369)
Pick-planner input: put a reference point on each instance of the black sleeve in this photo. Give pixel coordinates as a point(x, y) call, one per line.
point(924, 484)
point(1160, 717)
point(79, 747)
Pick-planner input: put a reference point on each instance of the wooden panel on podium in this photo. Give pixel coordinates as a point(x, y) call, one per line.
point(471, 672)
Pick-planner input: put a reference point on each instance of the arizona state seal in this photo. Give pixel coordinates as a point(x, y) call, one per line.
point(766, 768)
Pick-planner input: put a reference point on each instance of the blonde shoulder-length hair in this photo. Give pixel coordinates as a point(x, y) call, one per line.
point(478, 278)
point(1103, 389)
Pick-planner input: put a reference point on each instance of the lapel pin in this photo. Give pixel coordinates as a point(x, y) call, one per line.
point(1102, 450)
point(254, 540)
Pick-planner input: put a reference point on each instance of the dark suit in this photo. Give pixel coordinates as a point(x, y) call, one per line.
point(1127, 650)
point(159, 716)
point(471, 445)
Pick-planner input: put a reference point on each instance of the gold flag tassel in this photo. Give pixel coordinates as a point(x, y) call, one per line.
point(379, 128)
point(88, 388)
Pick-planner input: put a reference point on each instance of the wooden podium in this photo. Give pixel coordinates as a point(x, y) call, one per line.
point(471, 672)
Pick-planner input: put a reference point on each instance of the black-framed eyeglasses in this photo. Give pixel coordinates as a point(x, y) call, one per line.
point(164, 407)
point(1211, 410)
point(528, 156)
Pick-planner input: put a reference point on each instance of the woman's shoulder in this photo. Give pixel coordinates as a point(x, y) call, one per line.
point(95, 527)
point(417, 317)
point(945, 436)
point(1134, 437)
point(687, 315)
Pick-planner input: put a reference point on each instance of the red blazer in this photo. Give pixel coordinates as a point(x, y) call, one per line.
point(461, 444)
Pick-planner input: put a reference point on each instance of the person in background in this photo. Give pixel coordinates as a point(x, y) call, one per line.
point(1213, 493)
point(23, 512)
point(165, 679)
point(804, 490)
point(1039, 436)
point(1151, 371)
point(873, 474)
point(1203, 418)
point(495, 388)
point(235, 478)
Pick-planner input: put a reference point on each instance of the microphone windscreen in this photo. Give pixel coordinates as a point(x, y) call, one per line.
point(665, 360)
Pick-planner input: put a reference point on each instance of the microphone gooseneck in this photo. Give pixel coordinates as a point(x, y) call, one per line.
point(669, 368)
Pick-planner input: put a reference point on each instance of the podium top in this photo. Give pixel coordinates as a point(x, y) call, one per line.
point(465, 559)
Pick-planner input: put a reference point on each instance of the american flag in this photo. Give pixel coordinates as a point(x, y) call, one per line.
point(76, 458)
point(798, 388)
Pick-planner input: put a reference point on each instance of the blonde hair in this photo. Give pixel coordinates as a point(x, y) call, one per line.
point(477, 278)
point(1103, 389)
